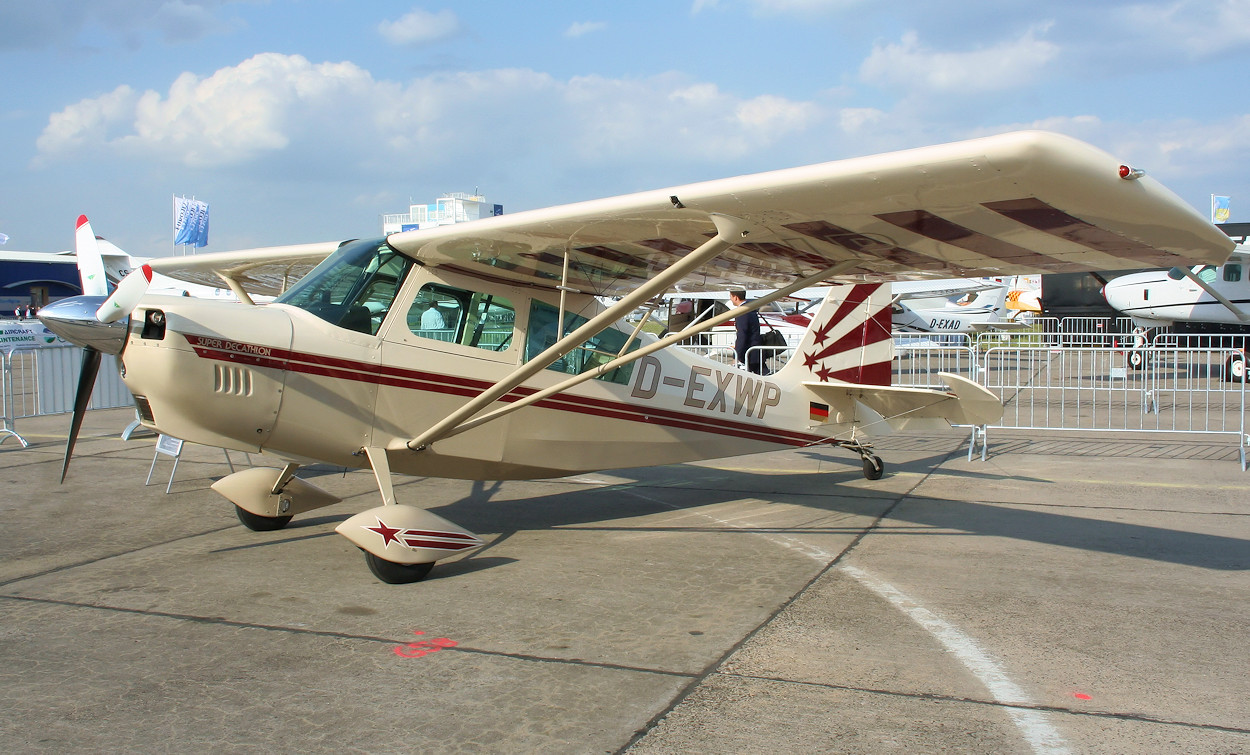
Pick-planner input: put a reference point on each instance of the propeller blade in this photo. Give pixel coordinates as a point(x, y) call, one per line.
point(126, 297)
point(90, 262)
point(86, 383)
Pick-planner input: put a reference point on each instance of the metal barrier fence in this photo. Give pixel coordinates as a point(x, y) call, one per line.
point(1095, 389)
point(43, 381)
point(1085, 388)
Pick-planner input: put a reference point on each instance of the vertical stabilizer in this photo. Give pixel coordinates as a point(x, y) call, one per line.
point(849, 339)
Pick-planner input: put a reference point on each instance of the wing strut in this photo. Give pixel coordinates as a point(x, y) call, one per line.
point(729, 231)
point(1221, 298)
point(643, 351)
point(236, 287)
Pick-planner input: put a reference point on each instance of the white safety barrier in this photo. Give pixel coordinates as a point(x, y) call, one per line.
point(917, 362)
point(8, 400)
point(1095, 389)
point(43, 381)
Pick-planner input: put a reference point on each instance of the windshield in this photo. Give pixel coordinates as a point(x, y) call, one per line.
point(352, 288)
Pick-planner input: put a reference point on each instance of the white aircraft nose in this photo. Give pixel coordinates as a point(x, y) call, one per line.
point(74, 319)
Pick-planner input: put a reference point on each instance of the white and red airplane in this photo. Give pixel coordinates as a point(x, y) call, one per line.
point(525, 374)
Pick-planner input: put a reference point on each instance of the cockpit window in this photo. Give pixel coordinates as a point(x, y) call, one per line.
point(352, 288)
point(1232, 272)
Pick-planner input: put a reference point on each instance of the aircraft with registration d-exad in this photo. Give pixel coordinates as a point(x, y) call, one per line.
point(482, 351)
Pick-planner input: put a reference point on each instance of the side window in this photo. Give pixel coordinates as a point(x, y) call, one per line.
point(454, 315)
point(1232, 272)
point(599, 350)
point(490, 323)
point(437, 312)
point(1207, 274)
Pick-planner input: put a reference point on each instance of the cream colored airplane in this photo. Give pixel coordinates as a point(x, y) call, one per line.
point(481, 350)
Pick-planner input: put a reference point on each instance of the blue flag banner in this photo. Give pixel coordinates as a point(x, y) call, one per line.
point(190, 222)
point(1220, 212)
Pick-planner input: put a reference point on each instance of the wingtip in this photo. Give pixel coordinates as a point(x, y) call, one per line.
point(82, 220)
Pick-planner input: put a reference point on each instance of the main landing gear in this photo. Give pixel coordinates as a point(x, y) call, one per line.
point(258, 523)
point(393, 573)
point(874, 467)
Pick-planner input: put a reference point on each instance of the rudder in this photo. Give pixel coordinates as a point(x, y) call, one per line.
point(848, 340)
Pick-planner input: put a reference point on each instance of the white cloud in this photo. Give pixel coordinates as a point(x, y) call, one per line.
point(855, 119)
point(1199, 29)
point(236, 114)
point(276, 106)
point(420, 27)
point(87, 123)
point(582, 28)
point(910, 66)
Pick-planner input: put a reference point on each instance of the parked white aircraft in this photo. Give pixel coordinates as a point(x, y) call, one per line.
point(1211, 300)
point(538, 379)
point(1216, 294)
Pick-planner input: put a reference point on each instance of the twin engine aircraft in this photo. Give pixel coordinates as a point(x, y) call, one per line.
point(483, 351)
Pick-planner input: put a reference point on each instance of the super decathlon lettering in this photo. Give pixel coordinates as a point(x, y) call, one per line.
point(233, 346)
point(709, 389)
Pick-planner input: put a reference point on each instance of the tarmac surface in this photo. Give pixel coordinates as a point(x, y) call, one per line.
point(1079, 593)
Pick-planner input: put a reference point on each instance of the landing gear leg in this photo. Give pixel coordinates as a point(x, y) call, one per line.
point(874, 467)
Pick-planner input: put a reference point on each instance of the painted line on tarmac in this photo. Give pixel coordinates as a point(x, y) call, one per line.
point(1041, 736)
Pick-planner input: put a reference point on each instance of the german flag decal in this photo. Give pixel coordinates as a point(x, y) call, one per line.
point(819, 412)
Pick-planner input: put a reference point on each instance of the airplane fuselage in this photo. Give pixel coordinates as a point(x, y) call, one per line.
point(280, 379)
point(1158, 298)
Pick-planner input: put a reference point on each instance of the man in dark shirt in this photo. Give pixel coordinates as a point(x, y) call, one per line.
point(749, 336)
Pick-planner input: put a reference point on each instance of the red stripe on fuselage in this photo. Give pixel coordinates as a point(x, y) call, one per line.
point(398, 377)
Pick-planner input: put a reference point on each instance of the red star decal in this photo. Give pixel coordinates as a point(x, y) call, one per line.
point(824, 373)
point(822, 333)
point(810, 360)
point(389, 534)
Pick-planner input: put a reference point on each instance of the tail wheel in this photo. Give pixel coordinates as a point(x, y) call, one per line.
point(874, 468)
point(1137, 359)
point(258, 523)
point(396, 574)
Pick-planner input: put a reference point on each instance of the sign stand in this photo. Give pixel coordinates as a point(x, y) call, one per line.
point(171, 446)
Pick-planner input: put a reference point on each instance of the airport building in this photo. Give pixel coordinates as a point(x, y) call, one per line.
point(450, 208)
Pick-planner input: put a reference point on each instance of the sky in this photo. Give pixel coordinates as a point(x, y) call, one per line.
point(306, 120)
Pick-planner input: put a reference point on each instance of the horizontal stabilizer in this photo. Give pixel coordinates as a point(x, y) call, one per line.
point(967, 403)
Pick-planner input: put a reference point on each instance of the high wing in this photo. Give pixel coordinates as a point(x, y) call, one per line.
point(266, 271)
point(1021, 203)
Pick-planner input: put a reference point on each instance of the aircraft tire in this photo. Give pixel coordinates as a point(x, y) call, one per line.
point(258, 523)
point(396, 574)
point(1235, 369)
point(874, 468)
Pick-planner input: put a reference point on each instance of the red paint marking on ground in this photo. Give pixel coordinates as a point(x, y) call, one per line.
point(423, 648)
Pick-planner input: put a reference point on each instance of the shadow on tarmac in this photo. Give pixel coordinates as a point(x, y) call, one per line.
point(683, 487)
